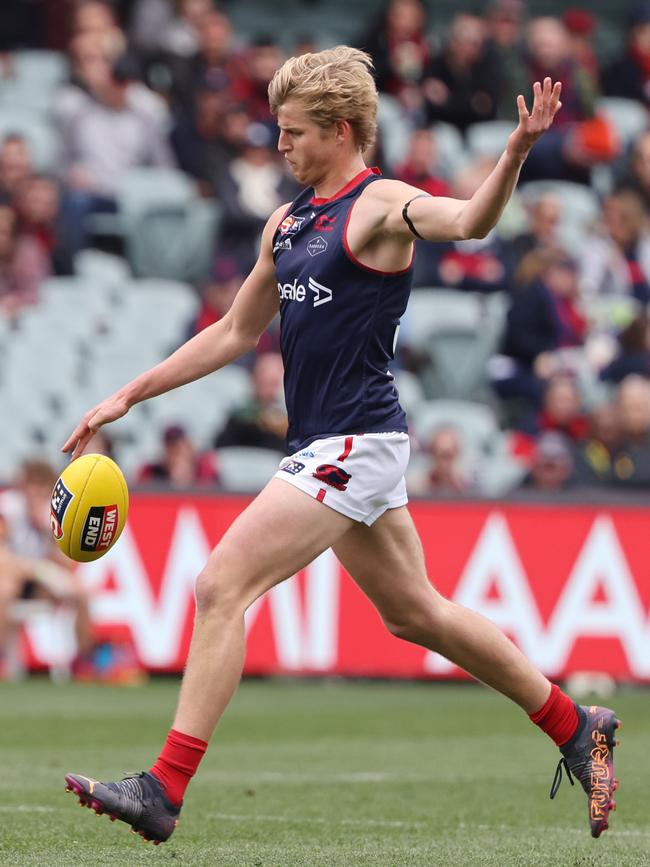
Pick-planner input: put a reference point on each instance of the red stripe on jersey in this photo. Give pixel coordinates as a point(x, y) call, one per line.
point(320, 496)
point(346, 451)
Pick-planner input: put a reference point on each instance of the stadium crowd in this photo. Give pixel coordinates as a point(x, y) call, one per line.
point(170, 84)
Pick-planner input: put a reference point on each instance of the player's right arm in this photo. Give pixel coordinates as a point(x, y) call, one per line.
point(232, 336)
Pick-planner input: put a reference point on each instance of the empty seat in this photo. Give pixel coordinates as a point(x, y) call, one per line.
point(246, 469)
point(488, 138)
point(476, 422)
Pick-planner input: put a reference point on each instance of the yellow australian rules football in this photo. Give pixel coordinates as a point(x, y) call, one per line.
point(88, 509)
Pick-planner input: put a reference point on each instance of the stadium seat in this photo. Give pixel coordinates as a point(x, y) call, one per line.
point(476, 422)
point(157, 312)
point(628, 117)
point(395, 129)
point(488, 138)
point(409, 388)
point(102, 268)
point(457, 331)
point(244, 469)
point(451, 148)
point(47, 69)
point(175, 242)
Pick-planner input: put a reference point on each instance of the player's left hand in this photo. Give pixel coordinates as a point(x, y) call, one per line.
point(546, 103)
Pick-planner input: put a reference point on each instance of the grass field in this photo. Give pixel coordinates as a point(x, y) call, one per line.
point(316, 774)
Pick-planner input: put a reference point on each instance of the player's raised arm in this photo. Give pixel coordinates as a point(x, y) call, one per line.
point(232, 336)
point(446, 219)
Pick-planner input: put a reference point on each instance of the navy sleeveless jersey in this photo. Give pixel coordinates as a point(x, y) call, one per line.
point(339, 323)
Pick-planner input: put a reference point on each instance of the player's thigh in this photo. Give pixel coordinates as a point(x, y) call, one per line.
point(386, 560)
point(278, 534)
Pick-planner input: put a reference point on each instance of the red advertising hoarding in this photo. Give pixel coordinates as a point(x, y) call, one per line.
point(570, 584)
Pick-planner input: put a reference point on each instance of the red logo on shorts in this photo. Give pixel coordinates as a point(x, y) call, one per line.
point(333, 476)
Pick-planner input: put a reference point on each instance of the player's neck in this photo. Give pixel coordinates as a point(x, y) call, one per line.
point(337, 176)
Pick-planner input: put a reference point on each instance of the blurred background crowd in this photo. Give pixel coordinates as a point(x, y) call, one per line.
point(138, 165)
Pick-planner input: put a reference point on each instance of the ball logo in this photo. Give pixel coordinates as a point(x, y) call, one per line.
point(99, 528)
point(61, 499)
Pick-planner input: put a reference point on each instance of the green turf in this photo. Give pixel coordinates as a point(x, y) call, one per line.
point(316, 774)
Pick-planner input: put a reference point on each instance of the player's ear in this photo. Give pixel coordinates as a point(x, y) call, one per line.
point(342, 130)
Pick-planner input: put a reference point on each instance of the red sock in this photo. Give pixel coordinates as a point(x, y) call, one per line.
point(558, 717)
point(177, 763)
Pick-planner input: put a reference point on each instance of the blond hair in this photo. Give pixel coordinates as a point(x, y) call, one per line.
point(331, 85)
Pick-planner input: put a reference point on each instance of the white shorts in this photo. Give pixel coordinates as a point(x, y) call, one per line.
point(360, 475)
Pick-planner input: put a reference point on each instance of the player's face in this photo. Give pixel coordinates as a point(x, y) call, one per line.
point(307, 147)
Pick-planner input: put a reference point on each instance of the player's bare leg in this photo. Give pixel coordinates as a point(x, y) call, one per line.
point(387, 562)
point(282, 531)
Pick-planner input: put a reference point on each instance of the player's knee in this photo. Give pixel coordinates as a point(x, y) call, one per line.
point(419, 623)
point(218, 588)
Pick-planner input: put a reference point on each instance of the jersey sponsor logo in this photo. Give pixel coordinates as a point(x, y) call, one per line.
point(61, 499)
point(334, 476)
point(317, 289)
point(99, 528)
point(290, 225)
point(292, 466)
point(324, 223)
point(306, 454)
point(296, 292)
point(316, 245)
point(282, 244)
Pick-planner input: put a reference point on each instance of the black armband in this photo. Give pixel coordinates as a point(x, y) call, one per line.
point(407, 219)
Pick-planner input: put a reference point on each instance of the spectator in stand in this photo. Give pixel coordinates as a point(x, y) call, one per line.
point(542, 230)
point(637, 174)
point(249, 188)
point(23, 265)
point(113, 125)
point(217, 64)
point(448, 472)
point(218, 295)
point(208, 134)
point(631, 458)
point(173, 26)
point(261, 60)
point(38, 207)
point(420, 168)
point(561, 410)
point(400, 51)
point(31, 566)
point(618, 261)
point(180, 465)
point(552, 467)
point(15, 165)
point(504, 20)
point(475, 265)
point(262, 422)
point(580, 139)
point(595, 455)
point(461, 84)
point(581, 27)
point(97, 19)
point(544, 317)
point(634, 351)
point(629, 75)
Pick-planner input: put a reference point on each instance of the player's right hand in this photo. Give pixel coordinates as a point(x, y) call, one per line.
point(108, 410)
